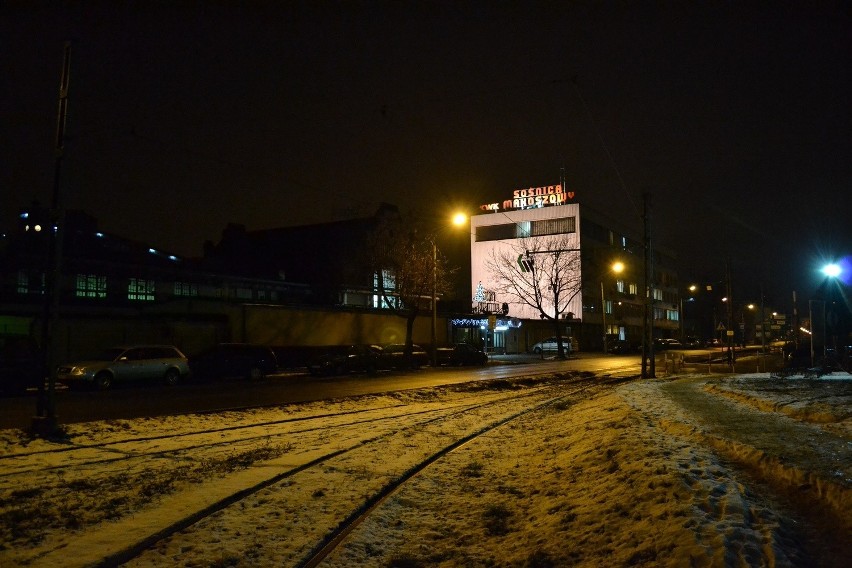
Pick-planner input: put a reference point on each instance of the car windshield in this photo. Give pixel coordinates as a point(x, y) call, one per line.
point(109, 354)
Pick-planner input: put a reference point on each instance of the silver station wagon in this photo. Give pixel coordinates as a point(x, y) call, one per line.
point(135, 363)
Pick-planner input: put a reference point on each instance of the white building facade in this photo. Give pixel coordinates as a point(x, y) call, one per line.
point(498, 232)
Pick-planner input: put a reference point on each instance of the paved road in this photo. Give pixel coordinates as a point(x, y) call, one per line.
point(156, 400)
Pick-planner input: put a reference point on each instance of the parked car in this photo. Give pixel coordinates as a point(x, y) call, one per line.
point(550, 345)
point(661, 344)
point(394, 355)
point(349, 359)
point(135, 363)
point(242, 360)
point(21, 364)
point(622, 347)
point(461, 354)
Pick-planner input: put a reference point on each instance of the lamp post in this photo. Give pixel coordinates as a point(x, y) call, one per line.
point(458, 220)
point(616, 267)
point(434, 303)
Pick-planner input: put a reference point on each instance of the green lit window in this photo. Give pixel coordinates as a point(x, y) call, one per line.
point(140, 289)
point(186, 289)
point(91, 286)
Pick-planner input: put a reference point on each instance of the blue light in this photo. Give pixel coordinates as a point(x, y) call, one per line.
point(25, 215)
point(832, 270)
point(99, 235)
point(172, 257)
point(152, 251)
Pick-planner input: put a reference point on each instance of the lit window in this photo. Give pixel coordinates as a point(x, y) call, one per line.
point(23, 282)
point(633, 289)
point(140, 289)
point(386, 283)
point(91, 286)
point(619, 285)
point(186, 289)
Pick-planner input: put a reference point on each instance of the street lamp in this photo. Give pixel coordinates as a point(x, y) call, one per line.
point(458, 219)
point(832, 271)
point(616, 267)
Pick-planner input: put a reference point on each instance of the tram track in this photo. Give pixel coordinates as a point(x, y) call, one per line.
point(337, 536)
point(314, 432)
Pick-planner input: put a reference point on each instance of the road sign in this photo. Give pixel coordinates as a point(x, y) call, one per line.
point(721, 327)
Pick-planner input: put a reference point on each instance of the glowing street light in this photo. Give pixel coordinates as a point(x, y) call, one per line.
point(458, 219)
point(616, 267)
point(832, 270)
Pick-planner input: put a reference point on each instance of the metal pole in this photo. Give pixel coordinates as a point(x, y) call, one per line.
point(811, 317)
point(434, 304)
point(603, 317)
point(45, 421)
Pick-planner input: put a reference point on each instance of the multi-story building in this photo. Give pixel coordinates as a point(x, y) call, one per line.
point(606, 304)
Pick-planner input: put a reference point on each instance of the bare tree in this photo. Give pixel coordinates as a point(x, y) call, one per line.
point(409, 270)
point(543, 273)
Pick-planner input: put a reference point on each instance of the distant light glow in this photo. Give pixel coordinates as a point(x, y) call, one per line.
point(99, 235)
point(839, 270)
point(152, 251)
point(37, 228)
point(172, 257)
point(25, 215)
point(832, 270)
point(617, 266)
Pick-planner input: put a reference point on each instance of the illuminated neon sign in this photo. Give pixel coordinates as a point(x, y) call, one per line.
point(532, 197)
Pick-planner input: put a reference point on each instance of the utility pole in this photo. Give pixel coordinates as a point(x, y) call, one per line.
point(732, 352)
point(648, 363)
point(45, 422)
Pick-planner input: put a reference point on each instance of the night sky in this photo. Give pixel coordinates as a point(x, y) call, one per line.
point(186, 116)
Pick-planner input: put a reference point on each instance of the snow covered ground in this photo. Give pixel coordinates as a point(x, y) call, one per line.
point(748, 470)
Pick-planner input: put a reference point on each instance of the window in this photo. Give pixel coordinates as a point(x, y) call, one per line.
point(186, 289)
point(384, 282)
point(608, 307)
point(632, 288)
point(619, 285)
point(30, 282)
point(553, 226)
point(140, 289)
point(495, 232)
point(91, 286)
point(244, 293)
point(657, 294)
point(523, 229)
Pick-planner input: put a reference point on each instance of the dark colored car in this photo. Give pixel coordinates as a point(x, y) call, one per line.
point(136, 363)
point(349, 359)
point(395, 357)
point(227, 360)
point(21, 365)
point(461, 354)
point(622, 348)
point(661, 344)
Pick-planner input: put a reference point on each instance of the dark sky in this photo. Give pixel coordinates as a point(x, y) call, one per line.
point(186, 116)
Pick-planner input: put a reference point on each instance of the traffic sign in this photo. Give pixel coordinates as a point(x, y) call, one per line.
point(721, 327)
